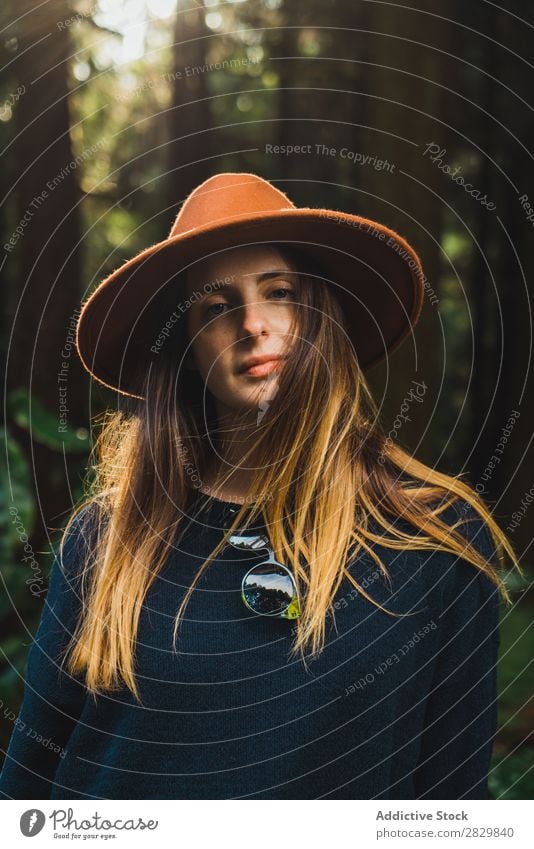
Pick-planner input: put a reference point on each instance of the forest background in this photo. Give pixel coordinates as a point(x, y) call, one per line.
point(112, 112)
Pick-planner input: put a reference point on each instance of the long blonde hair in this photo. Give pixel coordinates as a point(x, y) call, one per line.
point(322, 476)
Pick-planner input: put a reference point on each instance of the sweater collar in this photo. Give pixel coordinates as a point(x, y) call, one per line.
point(214, 511)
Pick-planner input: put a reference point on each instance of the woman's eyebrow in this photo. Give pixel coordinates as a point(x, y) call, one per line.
point(268, 274)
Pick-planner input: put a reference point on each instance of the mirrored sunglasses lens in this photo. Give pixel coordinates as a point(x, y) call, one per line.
point(268, 589)
point(249, 543)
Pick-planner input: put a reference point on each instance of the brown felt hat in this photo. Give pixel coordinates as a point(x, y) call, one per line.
point(376, 274)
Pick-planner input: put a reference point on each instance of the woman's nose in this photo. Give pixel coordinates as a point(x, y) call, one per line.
point(253, 318)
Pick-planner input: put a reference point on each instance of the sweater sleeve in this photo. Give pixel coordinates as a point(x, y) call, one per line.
point(461, 712)
point(53, 699)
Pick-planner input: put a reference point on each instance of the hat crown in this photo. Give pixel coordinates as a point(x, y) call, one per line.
point(226, 196)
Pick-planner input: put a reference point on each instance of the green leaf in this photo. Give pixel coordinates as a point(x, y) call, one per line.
point(17, 505)
point(44, 427)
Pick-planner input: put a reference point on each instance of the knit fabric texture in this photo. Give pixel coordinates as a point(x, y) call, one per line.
point(393, 708)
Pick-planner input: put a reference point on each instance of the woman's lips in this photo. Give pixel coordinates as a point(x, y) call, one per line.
point(262, 369)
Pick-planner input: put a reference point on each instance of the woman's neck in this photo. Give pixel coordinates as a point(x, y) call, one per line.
point(227, 487)
point(224, 477)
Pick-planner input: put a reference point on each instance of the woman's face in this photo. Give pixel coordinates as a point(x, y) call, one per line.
point(242, 304)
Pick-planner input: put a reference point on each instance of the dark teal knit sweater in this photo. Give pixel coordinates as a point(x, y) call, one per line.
point(394, 708)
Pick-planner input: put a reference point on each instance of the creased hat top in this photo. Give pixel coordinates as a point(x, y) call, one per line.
point(224, 196)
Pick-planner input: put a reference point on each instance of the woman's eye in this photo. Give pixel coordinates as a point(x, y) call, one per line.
point(285, 291)
point(214, 307)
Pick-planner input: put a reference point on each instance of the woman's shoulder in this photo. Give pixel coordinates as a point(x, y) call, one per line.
point(80, 536)
point(465, 520)
point(460, 516)
point(71, 566)
point(464, 584)
point(450, 574)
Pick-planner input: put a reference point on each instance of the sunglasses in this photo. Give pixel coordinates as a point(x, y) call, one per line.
point(269, 588)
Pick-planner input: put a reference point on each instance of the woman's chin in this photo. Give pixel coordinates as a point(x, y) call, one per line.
point(251, 402)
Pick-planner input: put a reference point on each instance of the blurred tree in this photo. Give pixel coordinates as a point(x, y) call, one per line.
point(191, 133)
point(404, 96)
point(502, 263)
point(46, 249)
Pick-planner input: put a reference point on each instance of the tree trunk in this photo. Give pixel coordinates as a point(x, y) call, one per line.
point(191, 130)
point(44, 247)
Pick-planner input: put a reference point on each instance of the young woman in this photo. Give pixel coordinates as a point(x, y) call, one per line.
point(263, 596)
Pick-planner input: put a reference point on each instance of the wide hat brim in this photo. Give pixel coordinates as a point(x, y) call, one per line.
point(376, 275)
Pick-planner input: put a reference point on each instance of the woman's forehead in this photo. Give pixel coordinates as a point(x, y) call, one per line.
point(243, 261)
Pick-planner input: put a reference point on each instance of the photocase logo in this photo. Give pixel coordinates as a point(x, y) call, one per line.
point(31, 822)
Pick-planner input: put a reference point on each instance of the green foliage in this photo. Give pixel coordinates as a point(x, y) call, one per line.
point(18, 604)
point(512, 775)
point(24, 571)
point(16, 498)
point(30, 415)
